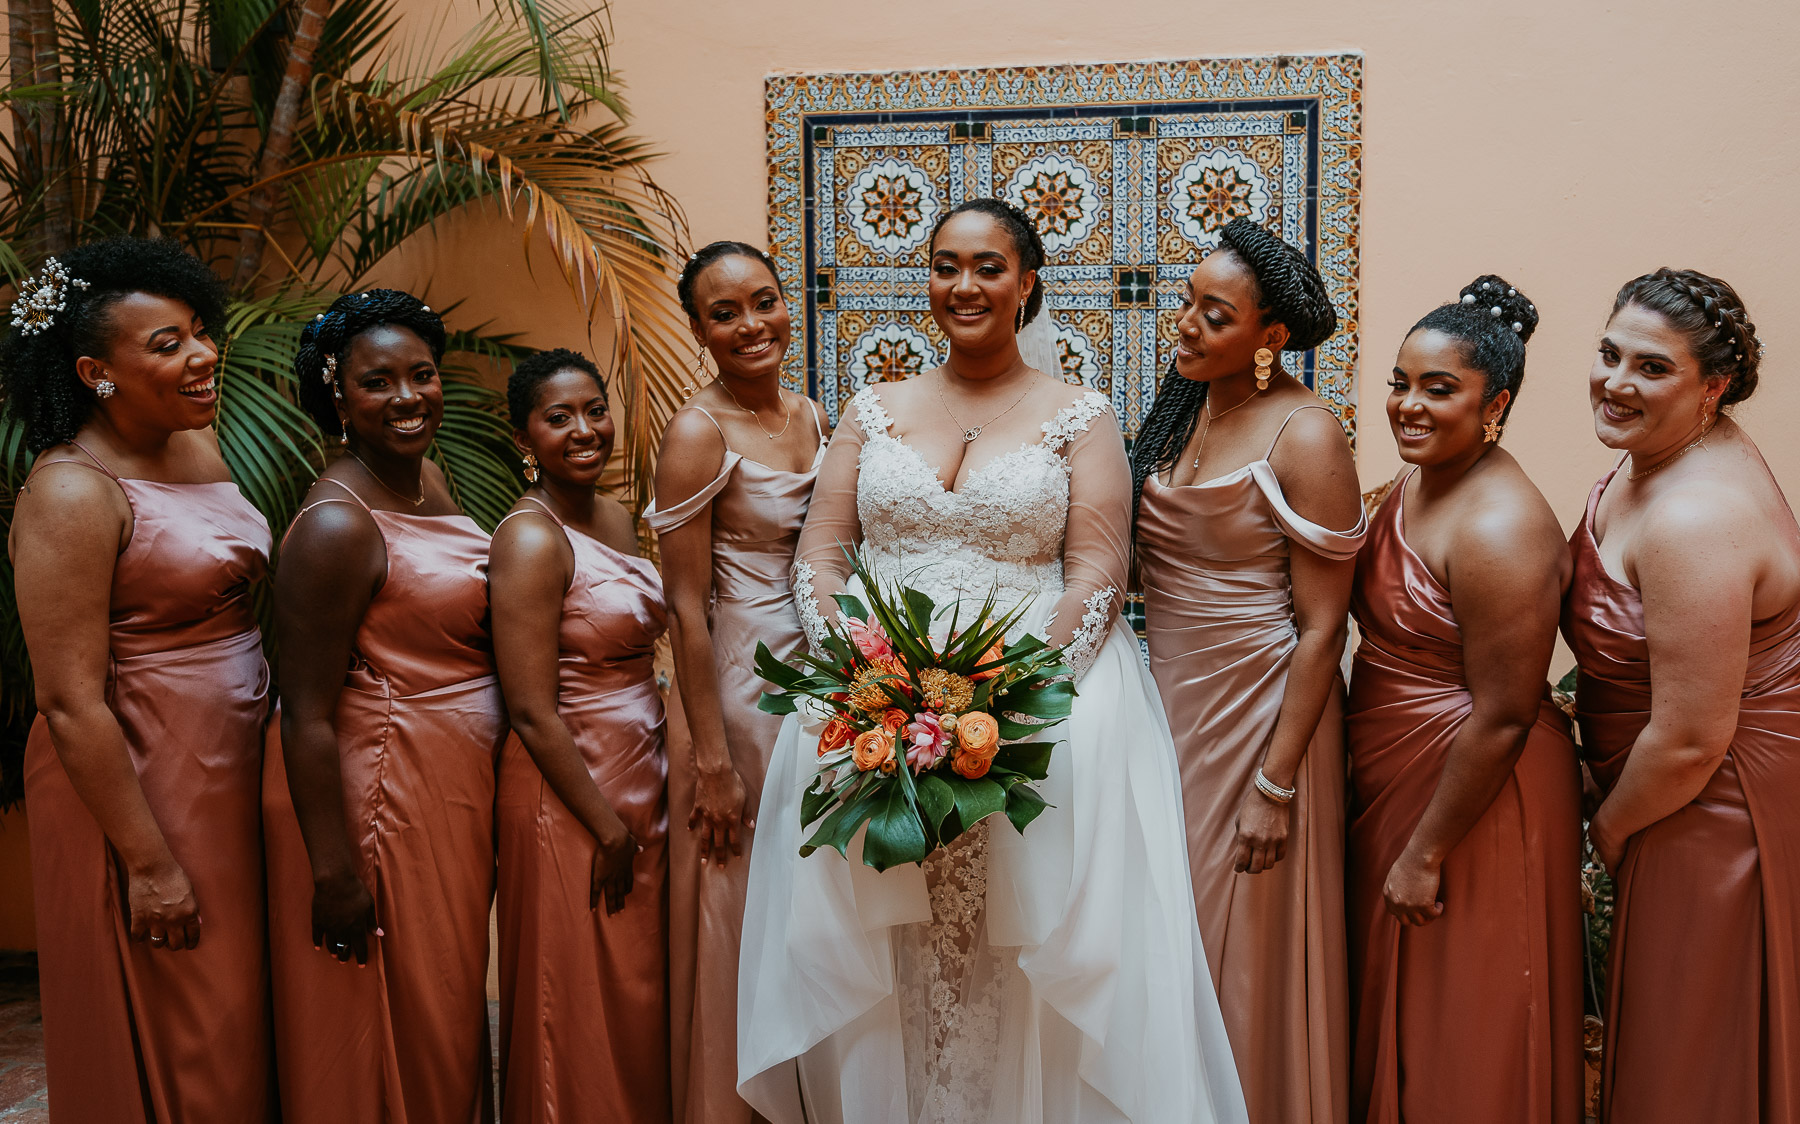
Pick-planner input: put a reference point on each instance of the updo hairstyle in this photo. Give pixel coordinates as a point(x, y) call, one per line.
point(1493, 321)
point(328, 336)
point(708, 254)
point(532, 371)
point(1710, 315)
point(1022, 232)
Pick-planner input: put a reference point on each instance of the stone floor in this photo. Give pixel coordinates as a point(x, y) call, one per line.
point(21, 1042)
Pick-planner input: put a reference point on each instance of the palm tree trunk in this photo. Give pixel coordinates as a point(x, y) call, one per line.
point(46, 69)
point(24, 115)
point(280, 141)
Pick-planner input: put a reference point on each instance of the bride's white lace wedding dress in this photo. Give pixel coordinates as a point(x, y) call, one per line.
point(1054, 976)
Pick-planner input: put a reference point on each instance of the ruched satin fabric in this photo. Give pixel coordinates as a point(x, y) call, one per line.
point(1219, 617)
point(583, 994)
point(134, 1033)
point(1476, 1017)
point(419, 724)
point(1703, 980)
point(756, 513)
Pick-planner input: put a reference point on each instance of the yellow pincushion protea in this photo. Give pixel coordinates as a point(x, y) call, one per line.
point(946, 691)
point(866, 691)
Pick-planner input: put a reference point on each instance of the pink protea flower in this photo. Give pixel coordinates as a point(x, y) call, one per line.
point(926, 741)
point(870, 638)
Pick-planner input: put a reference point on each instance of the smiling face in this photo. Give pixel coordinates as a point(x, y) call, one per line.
point(393, 400)
point(161, 361)
point(977, 287)
point(1219, 326)
point(1434, 401)
point(743, 320)
point(570, 430)
point(1645, 385)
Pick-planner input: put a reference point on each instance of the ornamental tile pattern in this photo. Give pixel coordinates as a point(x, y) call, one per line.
point(1130, 169)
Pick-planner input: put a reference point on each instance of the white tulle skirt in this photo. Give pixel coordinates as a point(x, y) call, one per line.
point(1056, 976)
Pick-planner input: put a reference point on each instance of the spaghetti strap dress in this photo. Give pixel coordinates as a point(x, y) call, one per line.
point(757, 512)
point(1219, 619)
point(583, 994)
point(1703, 976)
point(1477, 1016)
point(419, 725)
point(132, 1033)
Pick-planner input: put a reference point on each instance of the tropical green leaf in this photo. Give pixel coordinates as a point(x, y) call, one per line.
point(894, 835)
point(976, 800)
point(1023, 805)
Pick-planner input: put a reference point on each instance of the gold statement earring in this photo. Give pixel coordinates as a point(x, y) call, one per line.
point(1019, 320)
point(693, 384)
point(1492, 430)
point(531, 468)
point(1264, 360)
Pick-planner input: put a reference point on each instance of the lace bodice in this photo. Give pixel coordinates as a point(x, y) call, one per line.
point(1046, 521)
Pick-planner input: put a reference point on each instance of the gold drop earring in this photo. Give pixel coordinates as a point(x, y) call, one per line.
point(692, 386)
point(1264, 360)
point(1019, 320)
point(531, 468)
point(1492, 430)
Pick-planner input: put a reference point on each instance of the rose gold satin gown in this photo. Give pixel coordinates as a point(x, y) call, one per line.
point(1476, 1017)
point(756, 516)
point(420, 723)
point(1703, 1004)
point(133, 1033)
point(584, 1008)
point(1219, 616)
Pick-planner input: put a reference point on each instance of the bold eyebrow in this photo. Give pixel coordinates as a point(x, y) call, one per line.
point(159, 331)
point(766, 290)
point(1607, 341)
point(1220, 300)
point(980, 255)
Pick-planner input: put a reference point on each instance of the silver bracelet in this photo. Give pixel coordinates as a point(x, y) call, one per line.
point(1272, 790)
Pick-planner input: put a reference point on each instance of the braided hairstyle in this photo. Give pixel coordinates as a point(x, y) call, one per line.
point(1289, 291)
point(531, 372)
point(704, 257)
point(1493, 320)
point(328, 336)
point(1027, 243)
point(37, 369)
point(1710, 314)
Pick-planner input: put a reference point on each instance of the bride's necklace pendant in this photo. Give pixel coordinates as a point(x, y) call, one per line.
point(970, 435)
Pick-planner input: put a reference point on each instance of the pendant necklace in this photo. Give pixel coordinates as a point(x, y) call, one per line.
point(787, 415)
point(1671, 458)
point(970, 433)
point(389, 487)
point(1210, 418)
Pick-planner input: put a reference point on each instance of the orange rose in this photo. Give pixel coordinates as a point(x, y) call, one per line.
point(872, 749)
point(979, 735)
point(893, 720)
point(837, 735)
point(995, 653)
point(966, 764)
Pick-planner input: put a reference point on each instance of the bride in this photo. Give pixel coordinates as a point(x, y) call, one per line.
point(1054, 976)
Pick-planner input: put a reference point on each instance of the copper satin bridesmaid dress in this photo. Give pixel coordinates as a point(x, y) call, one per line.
point(1219, 616)
point(1476, 1017)
point(756, 516)
point(1703, 1004)
point(584, 1009)
point(420, 723)
point(133, 1033)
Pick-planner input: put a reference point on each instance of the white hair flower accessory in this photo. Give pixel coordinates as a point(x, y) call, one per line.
point(42, 297)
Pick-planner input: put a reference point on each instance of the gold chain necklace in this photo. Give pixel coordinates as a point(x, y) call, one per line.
point(389, 487)
point(787, 415)
point(971, 432)
point(1211, 418)
point(1636, 474)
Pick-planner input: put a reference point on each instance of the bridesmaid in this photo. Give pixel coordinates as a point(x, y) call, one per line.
point(1246, 634)
point(1684, 617)
point(583, 994)
point(727, 522)
point(390, 712)
point(1465, 828)
point(134, 556)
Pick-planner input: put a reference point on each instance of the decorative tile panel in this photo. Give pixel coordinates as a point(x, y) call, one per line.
point(1130, 169)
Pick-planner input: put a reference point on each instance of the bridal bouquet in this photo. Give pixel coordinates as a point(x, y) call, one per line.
point(921, 739)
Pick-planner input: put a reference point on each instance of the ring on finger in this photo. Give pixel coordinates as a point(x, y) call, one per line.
point(159, 941)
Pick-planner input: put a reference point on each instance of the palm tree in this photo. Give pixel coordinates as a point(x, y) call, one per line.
point(296, 145)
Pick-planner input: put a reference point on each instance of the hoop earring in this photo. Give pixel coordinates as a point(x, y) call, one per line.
point(1492, 430)
point(1264, 360)
point(105, 388)
point(531, 468)
point(692, 386)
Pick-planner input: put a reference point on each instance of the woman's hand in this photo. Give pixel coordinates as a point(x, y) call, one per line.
point(612, 875)
point(1262, 831)
point(1609, 850)
point(164, 913)
point(719, 810)
point(1412, 890)
point(343, 915)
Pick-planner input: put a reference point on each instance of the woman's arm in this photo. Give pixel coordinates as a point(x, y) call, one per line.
point(331, 566)
point(832, 526)
point(530, 565)
point(1696, 561)
point(1096, 542)
point(1507, 568)
point(68, 529)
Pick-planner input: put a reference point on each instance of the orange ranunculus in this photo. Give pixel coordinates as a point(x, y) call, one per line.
point(893, 720)
point(872, 749)
point(970, 765)
point(837, 735)
point(978, 734)
point(995, 653)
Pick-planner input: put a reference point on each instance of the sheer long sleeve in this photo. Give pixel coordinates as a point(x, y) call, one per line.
point(1097, 542)
point(832, 525)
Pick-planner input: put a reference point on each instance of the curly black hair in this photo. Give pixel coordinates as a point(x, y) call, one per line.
point(1712, 316)
point(1023, 232)
point(1494, 321)
point(37, 370)
point(328, 336)
point(704, 257)
point(530, 373)
point(1289, 291)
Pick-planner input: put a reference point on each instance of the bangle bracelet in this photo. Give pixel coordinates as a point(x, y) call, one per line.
point(1272, 790)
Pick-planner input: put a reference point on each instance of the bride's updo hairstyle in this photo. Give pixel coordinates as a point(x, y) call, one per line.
point(710, 253)
point(1710, 315)
point(1289, 291)
point(1493, 321)
point(1020, 229)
